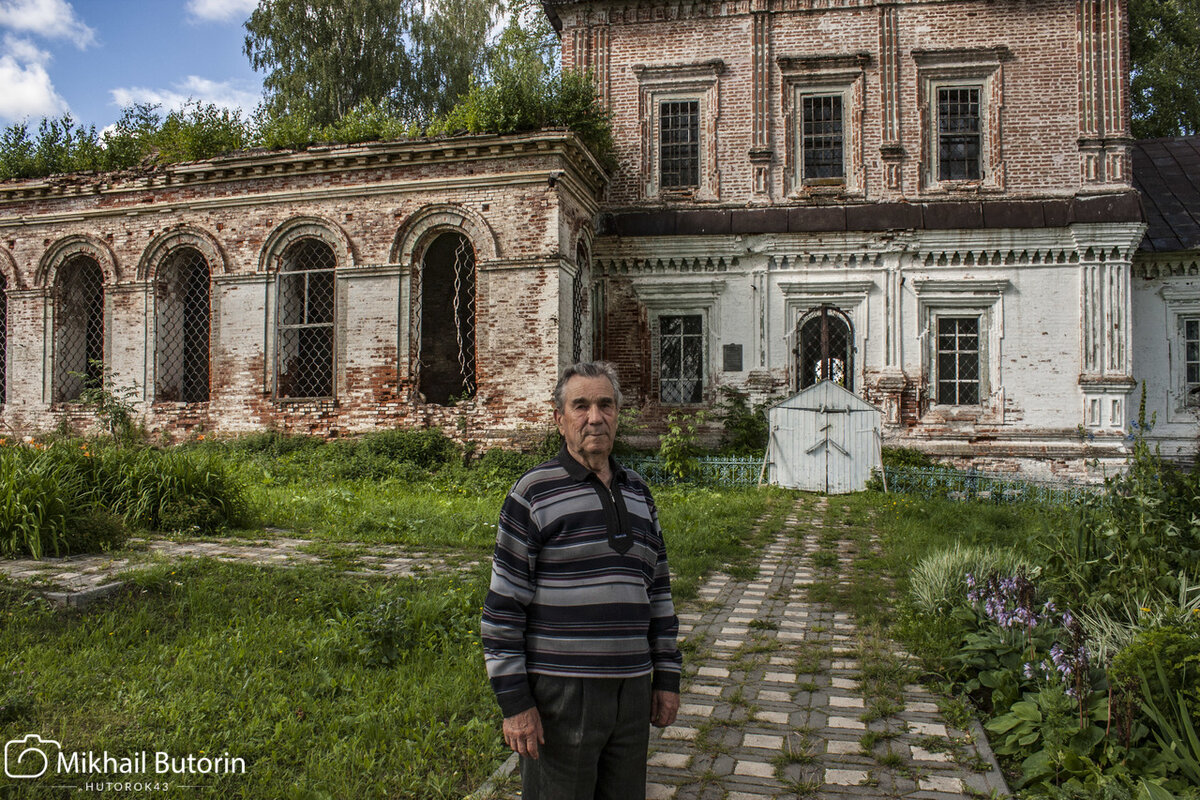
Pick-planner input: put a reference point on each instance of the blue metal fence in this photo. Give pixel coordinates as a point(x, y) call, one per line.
point(735, 471)
point(971, 485)
point(710, 470)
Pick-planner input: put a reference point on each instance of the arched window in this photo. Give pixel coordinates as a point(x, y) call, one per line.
point(3, 339)
point(446, 369)
point(826, 348)
point(78, 327)
point(181, 328)
point(579, 304)
point(305, 321)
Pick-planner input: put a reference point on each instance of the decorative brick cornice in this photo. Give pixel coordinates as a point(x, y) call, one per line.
point(338, 159)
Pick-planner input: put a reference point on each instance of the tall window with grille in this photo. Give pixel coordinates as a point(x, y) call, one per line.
point(681, 358)
point(446, 317)
point(579, 297)
point(78, 328)
point(679, 144)
point(822, 144)
point(182, 311)
point(305, 321)
point(3, 339)
point(960, 133)
point(958, 361)
point(1191, 360)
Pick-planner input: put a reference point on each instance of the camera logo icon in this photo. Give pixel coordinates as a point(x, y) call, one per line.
point(29, 757)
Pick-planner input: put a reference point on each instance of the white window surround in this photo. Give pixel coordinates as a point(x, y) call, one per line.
point(808, 76)
point(850, 297)
point(1183, 303)
point(973, 67)
point(676, 297)
point(950, 297)
point(680, 82)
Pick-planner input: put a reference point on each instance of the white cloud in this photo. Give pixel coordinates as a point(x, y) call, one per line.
point(221, 10)
point(28, 91)
point(54, 19)
point(225, 94)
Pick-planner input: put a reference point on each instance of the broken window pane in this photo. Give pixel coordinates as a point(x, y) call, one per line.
point(78, 327)
point(304, 340)
point(958, 366)
point(182, 320)
point(681, 359)
point(446, 371)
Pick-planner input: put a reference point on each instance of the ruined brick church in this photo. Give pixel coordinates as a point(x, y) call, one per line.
point(930, 202)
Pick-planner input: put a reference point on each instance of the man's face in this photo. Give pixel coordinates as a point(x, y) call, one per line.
point(588, 421)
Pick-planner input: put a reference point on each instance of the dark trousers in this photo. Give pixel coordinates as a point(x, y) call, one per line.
point(597, 732)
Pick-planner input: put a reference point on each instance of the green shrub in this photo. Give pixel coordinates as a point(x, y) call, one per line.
point(1177, 648)
point(907, 457)
point(428, 448)
point(745, 427)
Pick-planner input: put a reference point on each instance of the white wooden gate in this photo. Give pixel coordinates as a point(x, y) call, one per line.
point(823, 439)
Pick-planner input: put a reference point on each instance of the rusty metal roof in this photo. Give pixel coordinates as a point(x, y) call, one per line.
point(1167, 173)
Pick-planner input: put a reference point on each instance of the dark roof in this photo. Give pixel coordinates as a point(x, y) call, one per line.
point(1167, 173)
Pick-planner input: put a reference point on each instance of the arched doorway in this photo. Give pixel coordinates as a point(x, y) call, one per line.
point(825, 348)
point(447, 320)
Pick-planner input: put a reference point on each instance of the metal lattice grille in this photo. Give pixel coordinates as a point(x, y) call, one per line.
point(598, 319)
point(825, 349)
point(182, 323)
point(679, 143)
point(304, 333)
point(1191, 359)
point(958, 360)
point(3, 339)
point(78, 328)
point(579, 304)
point(959, 133)
point(445, 310)
point(823, 137)
point(681, 358)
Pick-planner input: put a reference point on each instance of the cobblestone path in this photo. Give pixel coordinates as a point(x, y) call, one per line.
point(775, 700)
point(781, 697)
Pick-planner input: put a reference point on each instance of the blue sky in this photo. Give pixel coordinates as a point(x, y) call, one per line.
point(92, 57)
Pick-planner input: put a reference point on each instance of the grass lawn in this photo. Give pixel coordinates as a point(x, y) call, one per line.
point(327, 685)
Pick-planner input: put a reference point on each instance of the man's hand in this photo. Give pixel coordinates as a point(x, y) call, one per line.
point(523, 732)
point(663, 708)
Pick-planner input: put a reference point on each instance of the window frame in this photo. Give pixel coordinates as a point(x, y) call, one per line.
point(806, 77)
point(174, 281)
point(936, 379)
point(939, 70)
point(1190, 388)
point(701, 337)
point(279, 325)
point(1182, 301)
point(696, 82)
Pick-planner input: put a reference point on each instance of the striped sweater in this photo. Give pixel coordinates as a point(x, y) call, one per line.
point(564, 599)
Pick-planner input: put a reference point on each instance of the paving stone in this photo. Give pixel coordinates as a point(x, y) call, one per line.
point(705, 689)
point(921, 708)
point(780, 660)
point(732, 644)
point(777, 717)
point(842, 747)
point(844, 683)
point(773, 696)
point(845, 777)
point(757, 769)
point(695, 710)
point(921, 754)
point(928, 729)
point(660, 791)
point(762, 740)
point(734, 630)
point(847, 723)
point(779, 677)
point(842, 701)
point(941, 783)
point(713, 672)
point(746, 796)
point(847, 665)
point(679, 732)
point(672, 760)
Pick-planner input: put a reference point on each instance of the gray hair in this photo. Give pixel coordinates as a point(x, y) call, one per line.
point(586, 369)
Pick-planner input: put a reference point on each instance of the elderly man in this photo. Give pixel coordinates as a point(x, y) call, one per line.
point(579, 627)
